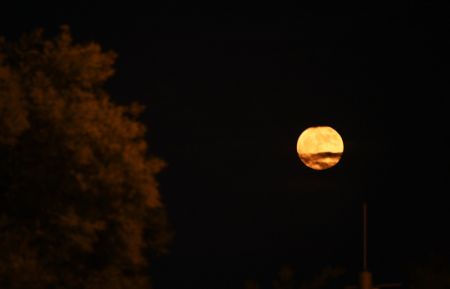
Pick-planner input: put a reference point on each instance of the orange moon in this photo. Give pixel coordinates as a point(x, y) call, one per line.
point(320, 147)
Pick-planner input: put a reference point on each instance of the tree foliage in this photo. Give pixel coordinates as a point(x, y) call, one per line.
point(79, 203)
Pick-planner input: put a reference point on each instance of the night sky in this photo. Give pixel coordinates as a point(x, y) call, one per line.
point(229, 89)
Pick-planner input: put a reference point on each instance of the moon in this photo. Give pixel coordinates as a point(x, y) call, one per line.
point(320, 147)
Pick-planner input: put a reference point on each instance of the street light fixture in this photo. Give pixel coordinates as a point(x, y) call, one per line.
point(365, 277)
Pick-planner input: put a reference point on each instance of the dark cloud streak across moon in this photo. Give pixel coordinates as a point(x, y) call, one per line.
point(320, 147)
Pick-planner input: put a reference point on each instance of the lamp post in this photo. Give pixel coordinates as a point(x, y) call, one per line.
point(365, 277)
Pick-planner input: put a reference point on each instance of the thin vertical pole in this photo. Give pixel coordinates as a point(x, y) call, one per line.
point(365, 236)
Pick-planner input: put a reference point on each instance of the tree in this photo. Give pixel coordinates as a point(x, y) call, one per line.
point(286, 278)
point(324, 278)
point(79, 202)
point(251, 284)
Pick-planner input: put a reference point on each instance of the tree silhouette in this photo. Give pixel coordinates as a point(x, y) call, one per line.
point(79, 203)
point(287, 278)
point(251, 284)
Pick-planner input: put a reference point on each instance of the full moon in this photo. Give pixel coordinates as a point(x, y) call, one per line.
point(320, 147)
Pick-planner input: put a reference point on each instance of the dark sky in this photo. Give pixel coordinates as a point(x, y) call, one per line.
point(228, 90)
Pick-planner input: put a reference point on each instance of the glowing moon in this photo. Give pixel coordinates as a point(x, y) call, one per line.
point(320, 147)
